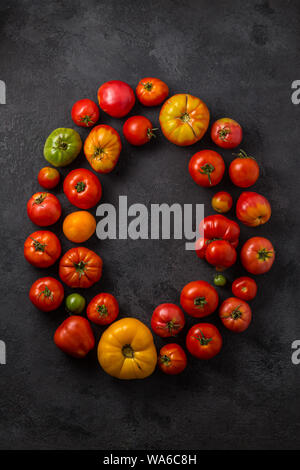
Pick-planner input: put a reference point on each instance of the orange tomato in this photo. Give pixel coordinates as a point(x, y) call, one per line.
point(221, 202)
point(253, 209)
point(184, 119)
point(79, 226)
point(102, 148)
point(152, 91)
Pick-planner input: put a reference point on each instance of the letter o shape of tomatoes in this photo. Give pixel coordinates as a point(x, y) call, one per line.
point(43, 209)
point(199, 298)
point(42, 249)
point(82, 188)
point(204, 341)
point(46, 293)
point(116, 98)
point(102, 148)
point(257, 255)
point(235, 314)
point(207, 168)
point(80, 267)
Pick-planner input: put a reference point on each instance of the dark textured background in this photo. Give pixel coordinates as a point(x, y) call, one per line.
point(240, 58)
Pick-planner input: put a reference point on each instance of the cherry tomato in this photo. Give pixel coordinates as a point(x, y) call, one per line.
point(43, 209)
point(46, 294)
point(48, 177)
point(204, 341)
point(244, 288)
point(172, 359)
point(116, 98)
point(42, 249)
point(75, 303)
point(253, 209)
point(199, 298)
point(167, 320)
point(103, 309)
point(152, 91)
point(235, 314)
point(82, 188)
point(226, 133)
point(138, 130)
point(75, 336)
point(257, 255)
point(85, 113)
point(244, 170)
point(206, 168)
point(222, 202)
point(220, 280)
point(221, 254)
point(79, 226)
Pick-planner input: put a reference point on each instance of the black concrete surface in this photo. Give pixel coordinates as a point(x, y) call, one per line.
point(240, 58)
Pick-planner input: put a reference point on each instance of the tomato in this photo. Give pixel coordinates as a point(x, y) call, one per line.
point(184, 119)
point(220, 254)
point(126, 350)
point(102, 148)
point(253, 209)
point(46, 294)
point(85, 113)
point(206, 168)
point(219, 227)
point(244, 170)
point(103, 309)
point(226, 133)
point(244, 288)
point(43, 209)
point(48, 177)
point(75, 336)
point(199, 298)
point(172, 359)
point(80, 267)
point(79, 226)
point(220, 280)
point(257, 255)
point(42, 249)
point(62, 147)
point(82, 188)
point(222, 202)
point(204, 341)
point(138, 130)
point(167, 320)
point(116, 98)
point(235, 314)
point(152, 91)
point(75, 303)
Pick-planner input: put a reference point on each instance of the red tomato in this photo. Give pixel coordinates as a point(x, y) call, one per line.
point(222, 202)
point(199, 298)
point(103, 309)
point(42, 249)
point(244, 288)
point(204, 341)
point(220, 254)
point(253, 209)
point(43, 209)
point(172, 359)
point(48, 177)
point(85, 113)
point(235, 314)
point(257, 255)
point(244, 170)
point(46, 294)
point(80, 267)
point(82, 188)
point(138, 130)
point(167, 320)
point(226, 133)
point(152, 91)
point(206, 168)
point(116, 98)
point(75, 336)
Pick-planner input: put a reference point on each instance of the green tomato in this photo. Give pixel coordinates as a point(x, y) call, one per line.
point(220, 280)
point(62, 146)
point(75, 303)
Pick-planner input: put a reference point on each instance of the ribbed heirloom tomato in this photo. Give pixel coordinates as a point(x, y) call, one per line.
point(222, 202)
point(75, 336)
point(152, 91)
point(80, 267)
point(244, 288)
point(85, 113)
point(167, 320)
point(204, 341)
point(43, 209)
point(42, 249)
point(82, 188)
point(46, 293)
point(199, 298)
point(103, 309)
point(116, 98)
point(235, 314)
point(207, 168)
point(226, 133)
point(138, 130)
point(253, 209)
point(102, 148)
point(257, 255)
point(243, 170)
point(48, 177)
point(172, 359)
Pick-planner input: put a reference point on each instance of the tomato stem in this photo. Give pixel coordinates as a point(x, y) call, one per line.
point(243, 154)
point(128, 351)
point(47, 293)
point(200, 302)
point(207, 169)
point(40, 198)
point(38, 246)
point(86, 120)
point(80, 186)
point(264, 254)
point(202, 339)
point(151, 133)
point(224, 132)
point(102, 310)
point(165, 360)
point(148, 86)
point(80, 268)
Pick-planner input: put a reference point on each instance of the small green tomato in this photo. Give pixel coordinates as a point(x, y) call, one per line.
point(220, 280)
point(75, 303)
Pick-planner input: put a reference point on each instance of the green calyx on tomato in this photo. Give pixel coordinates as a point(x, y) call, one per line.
point(86, 120)
point(207, 169)
point(62, 146)
point(264, 254)
point(128, 351)
point(75, 303)
point(40, 198)
point(80, 268)
point(243, 154)
point(164, 360)
point(38, 246)
point(47, 293)
point(200, 302)
point(151, 133)
point(220, 280)
point(80, 186)
point(202, 339)
point(222, 133)
point(102, 310)
point(148, 86)
point(235, 314)
point(99, 151)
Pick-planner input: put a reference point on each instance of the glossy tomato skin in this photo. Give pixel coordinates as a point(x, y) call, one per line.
point(220, 254)
point(75, 336)
point(257, 255)
point(80, 267)
point(43, 209)
point(244, 288)
point(48, 177)
point(42, 249)
point(199, 298)
point(184, 119)
point(244, 170)
point(102, 148)
point(82, 188)
point(204, 341)
point(152, 91)
point(172, 359)
point(85, 113)
point(226, 133)
point(207, 168)
point(62, 146)
point(138, 130)
point(116, 98)
point(79, 226)
point(235, 314)
point(167, 320)
point(253, 209)
point(218, 226)
point(46, 293)
point(222, 202)
point(75, 303)
point(103, 309)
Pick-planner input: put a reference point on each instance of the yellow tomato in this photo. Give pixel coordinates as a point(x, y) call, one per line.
point(184, 119)
point(126, 350)
point(79, 226)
